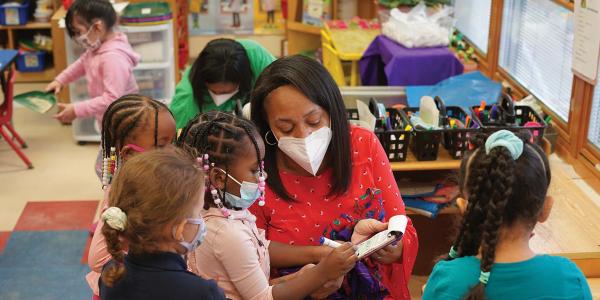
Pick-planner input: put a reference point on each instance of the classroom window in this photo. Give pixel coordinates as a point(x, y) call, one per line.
point(535, 49)
point(594, 128)
point(473, 21)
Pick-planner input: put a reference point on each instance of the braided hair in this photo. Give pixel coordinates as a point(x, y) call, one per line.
point(500, 191)
point(220, 135)
point(123, 116)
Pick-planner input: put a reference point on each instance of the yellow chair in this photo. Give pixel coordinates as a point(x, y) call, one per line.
point(333, 64)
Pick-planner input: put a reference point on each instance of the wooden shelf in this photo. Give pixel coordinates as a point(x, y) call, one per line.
point(444, 162)
point(448, 210)
point(46, 75)
point(30, 25)
point(298, 26)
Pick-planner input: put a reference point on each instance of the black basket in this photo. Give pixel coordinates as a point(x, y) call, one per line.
point(510, 117)
point(456, 140)
point(425, 142)
point(393, 136)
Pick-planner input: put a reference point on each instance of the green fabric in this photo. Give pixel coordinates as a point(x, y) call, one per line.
point(541, 277)
point(184, 107)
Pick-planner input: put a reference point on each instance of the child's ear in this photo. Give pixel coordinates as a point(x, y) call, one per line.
point(126, 153)
point(179, 230)
point(217, 178)
point(462, 204)
point(546, 209)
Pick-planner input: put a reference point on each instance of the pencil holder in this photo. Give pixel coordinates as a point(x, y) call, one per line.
point(506, 115)
point(392, 129)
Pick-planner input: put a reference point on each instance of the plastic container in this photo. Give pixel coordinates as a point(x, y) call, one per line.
point(425, 143)
point(43, 15)
point(150, 41)
point(456, 140)
point(506, 115)
point(393, 136)
point(31, 61)
point(14, 14)
point(456, 131)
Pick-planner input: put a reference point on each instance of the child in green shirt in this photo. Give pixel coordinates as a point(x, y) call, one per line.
point(504, 182)
point(224, 72)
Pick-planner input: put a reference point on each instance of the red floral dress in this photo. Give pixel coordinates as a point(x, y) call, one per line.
point(314, 214)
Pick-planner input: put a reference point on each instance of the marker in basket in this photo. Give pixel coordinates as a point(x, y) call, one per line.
point(467, 122)
point(493, 112)
point(407, 128)
point(482, 106)
point(548, 119)
point(329, 243)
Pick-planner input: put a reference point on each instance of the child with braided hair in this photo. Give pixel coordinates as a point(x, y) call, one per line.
point(235, 253)
point(131, 124)
point(504, 183)
point(154, 213)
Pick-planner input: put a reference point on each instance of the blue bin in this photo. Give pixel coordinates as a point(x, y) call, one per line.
point(14, 15)
point(31, 61)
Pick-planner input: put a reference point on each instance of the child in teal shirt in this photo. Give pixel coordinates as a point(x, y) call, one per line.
point(224, 72)
point(504, 182)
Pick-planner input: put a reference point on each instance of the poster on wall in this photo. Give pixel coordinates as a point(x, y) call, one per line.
point(209, 17)
point(586, 43)
point(202, 18)
point(235, 16)
point(268, 17)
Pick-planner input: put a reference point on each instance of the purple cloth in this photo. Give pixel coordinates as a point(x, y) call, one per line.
point(386, 62)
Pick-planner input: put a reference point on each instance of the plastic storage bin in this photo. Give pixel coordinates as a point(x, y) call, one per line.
point(506, 115)
point(14, 14)
point(393, 136)
point(150, 42)
point(456, 140)
point(31, 61)
point(425, 143)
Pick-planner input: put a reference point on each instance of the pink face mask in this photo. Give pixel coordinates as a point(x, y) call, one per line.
point(136, 148)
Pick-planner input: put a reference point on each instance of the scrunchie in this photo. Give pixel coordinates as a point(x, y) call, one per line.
point(506, 139)
point(115, 218)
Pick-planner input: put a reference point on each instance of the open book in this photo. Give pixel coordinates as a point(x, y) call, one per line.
point(396, 228)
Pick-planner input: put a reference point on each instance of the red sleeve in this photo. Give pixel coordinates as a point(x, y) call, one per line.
point(261, 217)
point(399, 272)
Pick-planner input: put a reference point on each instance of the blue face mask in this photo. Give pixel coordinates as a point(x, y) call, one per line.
point(191, 246)
point(249, 192)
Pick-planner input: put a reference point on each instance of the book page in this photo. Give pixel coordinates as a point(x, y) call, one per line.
point(396, 227)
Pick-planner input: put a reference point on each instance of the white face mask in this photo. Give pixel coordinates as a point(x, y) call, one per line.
point(307, 152)
point(84, 40)
point(222, 98)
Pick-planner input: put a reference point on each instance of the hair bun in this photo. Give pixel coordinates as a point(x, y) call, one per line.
point(115, 218)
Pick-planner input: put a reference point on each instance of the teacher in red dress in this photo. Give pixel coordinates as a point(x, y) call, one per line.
point(320, 169)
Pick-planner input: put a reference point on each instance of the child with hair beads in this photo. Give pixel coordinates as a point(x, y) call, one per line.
point(132, 124)
point(505, 184)
point(235, 253)
point(154, 213)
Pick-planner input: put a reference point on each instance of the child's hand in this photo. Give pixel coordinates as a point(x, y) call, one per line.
point(67, 115)
point(328, 288)
point(366, 228)
point(54, 86)
point(339, 262)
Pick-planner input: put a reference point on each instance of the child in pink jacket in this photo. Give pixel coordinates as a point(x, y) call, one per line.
point(107, 62)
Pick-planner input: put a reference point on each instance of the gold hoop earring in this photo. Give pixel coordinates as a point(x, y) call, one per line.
point(267, 139)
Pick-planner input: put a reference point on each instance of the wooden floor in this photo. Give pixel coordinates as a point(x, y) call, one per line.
point(573, 228)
